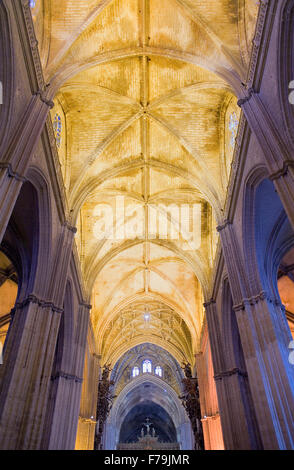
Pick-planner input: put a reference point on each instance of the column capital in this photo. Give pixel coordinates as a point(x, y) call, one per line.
point(225, 224)
point(70, 227)
point(11, 173)
point(229, 373)
point(33, 299)
point(209, 303)
point(210, 417)
point(255, 299)
point(249, 92)
point(87, 420)
point(87, 306)
point(97, 356)
point(282, 171)
point(43, 98)
point(67, 376)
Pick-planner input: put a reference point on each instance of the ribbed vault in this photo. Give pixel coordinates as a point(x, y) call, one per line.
point(172, 374)
point(145, 116)
point(148, 319)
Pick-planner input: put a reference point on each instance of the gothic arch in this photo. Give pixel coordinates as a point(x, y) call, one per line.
point(272, 229)
point(35, 177)
point(173, 407)
point(267, 234)
point(178, 355)
point(21, 239)
point(264, 245)
point(196, 263)
point(254, 179)
point(106, 321)
point(80, 195)
point(68, 71)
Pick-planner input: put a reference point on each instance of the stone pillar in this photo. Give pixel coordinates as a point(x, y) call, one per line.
point(211, 424)
point(277, 155)
point(67, 391)
point(185, 436)
point(26, 372)
point(212, 431)
point(88, 406)
point(60, 265)
point(110, 436)
point(85, 434)
point(15, 160)
point(237, 428)
point(263, 334)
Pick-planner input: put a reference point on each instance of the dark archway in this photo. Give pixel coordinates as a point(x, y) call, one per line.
point(274, 251)
point(18, 256)
point(161, 422)
point(21, 244)
point(263, 326)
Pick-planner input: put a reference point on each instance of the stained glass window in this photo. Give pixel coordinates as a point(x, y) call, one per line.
point(233, 126)
point(32, 3)
point(147, 366)
point(57, 126)
point(158, 371)
point(136, 371)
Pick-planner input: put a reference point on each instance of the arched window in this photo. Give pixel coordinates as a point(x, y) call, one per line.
point(147, 366)
point(158, 371)
point(136, 371)
point(57, 126)
point(233, 126)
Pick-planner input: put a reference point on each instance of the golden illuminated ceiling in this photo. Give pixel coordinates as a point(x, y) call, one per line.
point(145, 321)
point(146, 95)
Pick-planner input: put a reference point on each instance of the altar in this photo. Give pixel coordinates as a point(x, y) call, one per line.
point(148, 441)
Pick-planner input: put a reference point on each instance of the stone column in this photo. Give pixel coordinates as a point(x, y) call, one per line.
point(238, 430)
point(185, 436)
point(88, 406)
point(212, 431)
point(81, 339)
point(16, 159)
point(67, 390)
point(110, 435)
point(61, 262)
point(263, 335)
point(85, 434)
point(26, 372)
point(277, 154)
point(211, 424)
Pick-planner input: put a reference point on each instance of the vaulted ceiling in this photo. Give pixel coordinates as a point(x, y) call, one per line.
point(172, 372)
point(146, 101)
